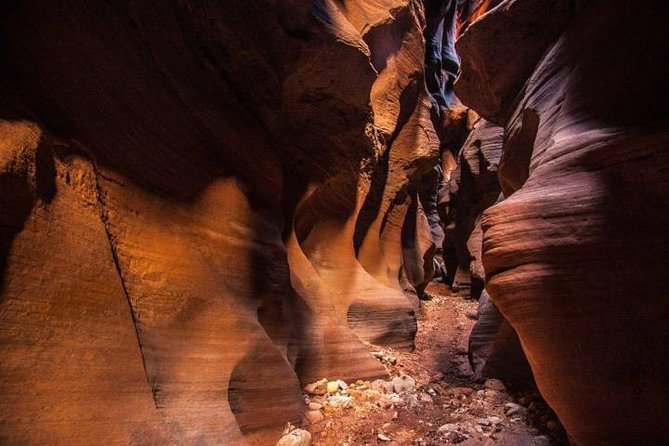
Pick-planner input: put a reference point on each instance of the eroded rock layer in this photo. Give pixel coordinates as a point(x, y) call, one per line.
point(204, 206)
point(576, 255)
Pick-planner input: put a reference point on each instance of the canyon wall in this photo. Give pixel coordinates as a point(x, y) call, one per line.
point(205, 205)
point(576, 254)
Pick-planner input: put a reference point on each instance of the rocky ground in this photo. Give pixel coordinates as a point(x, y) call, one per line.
point(431, 398)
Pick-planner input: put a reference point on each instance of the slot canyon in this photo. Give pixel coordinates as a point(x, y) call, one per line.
point(334, 222)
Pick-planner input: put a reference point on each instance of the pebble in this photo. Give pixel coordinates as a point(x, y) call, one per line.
point(456, 437)
point(383, 437)
point(513, 408)
point(425, 398)
point(483, 422)
point(461, 391)
point(541, 440)
point(340, 401)
point(494, 384)
point(314, 416)
point(297, 437)
point(397, 400)
point(403, 383)
point(315, 406)
point(382, 386)
point(317, 388)
point(495, 420)
point(332, 387)
point(384, 403)
point(450, 427)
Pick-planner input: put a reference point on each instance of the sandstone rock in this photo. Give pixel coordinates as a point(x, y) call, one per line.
point(227, 260)
point(426, 398)
point(494, 384)
point(489, 83)
point(449, 427)
point(494, 347)
point(317, 388)
point(457, 391)
point(314, 416)
point(403, 383)
point(332, 387)
point(297, 437)
point(340, 401)
point(472, 187)
point(574, 162)
point(383, 386)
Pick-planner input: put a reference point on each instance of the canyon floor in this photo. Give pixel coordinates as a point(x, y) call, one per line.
point(438, 400)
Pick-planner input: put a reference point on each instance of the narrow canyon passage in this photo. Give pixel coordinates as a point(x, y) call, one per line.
point(334, 222)
point(439, 401)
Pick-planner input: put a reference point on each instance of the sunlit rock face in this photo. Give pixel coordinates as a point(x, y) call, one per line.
point(576, 256)
point(204, 205)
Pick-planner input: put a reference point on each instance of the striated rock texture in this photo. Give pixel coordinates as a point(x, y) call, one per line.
point(471, 188)
point(204, 205)
point(576, 256)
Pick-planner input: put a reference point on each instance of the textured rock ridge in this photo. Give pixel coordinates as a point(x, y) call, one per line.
point(204, 205)
point(575, 256)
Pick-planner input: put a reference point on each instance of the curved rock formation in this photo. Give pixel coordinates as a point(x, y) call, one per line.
point(575, 257)
point(204, 206)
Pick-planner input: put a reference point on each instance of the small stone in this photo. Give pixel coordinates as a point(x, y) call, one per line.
point(403, 383)
point(314, 416)
point(382, 386)
point(513, 408)
point(378, 355)
point(425, 398)
point(384, 403)
point(494, 384)
point(395, 415)
point(315, 406)
point(449, 427)
point(412, 400)
point(460, 391)
point(396, 400)
point(317, 388)
point(332, 387)
point(495, 420)
point(340, 401)
point(297, 437)
point(541, 440)
point(456, 437)
point(342, 384)
point(483, 422)
point(383, 437)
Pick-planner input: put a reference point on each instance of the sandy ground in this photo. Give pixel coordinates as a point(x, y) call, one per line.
point(446, 405)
